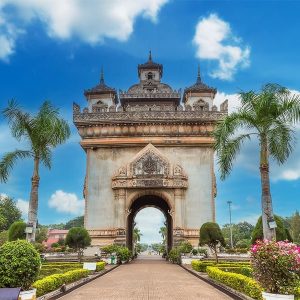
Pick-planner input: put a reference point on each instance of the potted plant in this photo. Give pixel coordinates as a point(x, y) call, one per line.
point(124, 254)
point(276, 266)
point(19, 267)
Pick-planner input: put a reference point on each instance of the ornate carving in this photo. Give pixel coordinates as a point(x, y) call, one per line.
point(150, 169)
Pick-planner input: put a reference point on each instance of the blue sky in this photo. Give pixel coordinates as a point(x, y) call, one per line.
point(55, 49)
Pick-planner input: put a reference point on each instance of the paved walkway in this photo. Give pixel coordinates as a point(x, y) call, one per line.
point(147, 279)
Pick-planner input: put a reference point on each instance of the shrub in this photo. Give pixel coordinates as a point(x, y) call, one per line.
point(245, 243)
point(246, 271)
point(194, 251)
point(16, 231)
point(238, 282)
point(174, 256)
point(100, 266)
point(211, 235)
point(185, 247)
point(282, 233)
point(53, 282)
point(39, 247)
point(203, 251)
point(201, 266)
point(276, 266)
point(110, 248)
point(123, 253)
point(54, 245)
point(19, 264)
point(78, 238)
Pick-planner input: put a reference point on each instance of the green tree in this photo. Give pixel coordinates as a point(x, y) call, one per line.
point(3, 237)
point(16, 231)
point(42, 132)
point(76, 222)
point(41, 234)
point(9, 212)
point(136, 235)
point(268, 115)
point(163, 233)
point(294, 225)
point(78, 238)
point(211, 235)
point(282, 232)
point(240, 232)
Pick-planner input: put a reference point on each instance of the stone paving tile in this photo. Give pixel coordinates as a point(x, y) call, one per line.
point(147, 279)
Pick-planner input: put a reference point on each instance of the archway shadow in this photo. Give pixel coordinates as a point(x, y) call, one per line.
point(149, 201)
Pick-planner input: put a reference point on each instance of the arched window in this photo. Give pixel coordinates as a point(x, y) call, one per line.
point(150, 76)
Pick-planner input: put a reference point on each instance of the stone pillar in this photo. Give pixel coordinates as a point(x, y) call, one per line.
point(120, 199)
point(178, 208)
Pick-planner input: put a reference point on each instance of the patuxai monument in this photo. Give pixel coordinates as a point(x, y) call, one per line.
point(148, 146)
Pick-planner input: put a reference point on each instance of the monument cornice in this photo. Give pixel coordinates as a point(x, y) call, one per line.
point(141, 141)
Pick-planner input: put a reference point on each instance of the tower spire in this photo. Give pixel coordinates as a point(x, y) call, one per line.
point(198, 76)
point(102, 76)
point(150, 56)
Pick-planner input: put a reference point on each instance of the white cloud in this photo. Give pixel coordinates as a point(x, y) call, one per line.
point(92, 21)
point(149, 221)
point(215, 41)
point(64, 202)
point(23, 206)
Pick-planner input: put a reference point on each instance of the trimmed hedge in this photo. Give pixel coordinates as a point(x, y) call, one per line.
point(246, 271)
point(238, 282)
point(55, 281)
point(201, 266)
point(100, 266)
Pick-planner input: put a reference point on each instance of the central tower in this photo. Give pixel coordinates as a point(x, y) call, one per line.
point(148, 146)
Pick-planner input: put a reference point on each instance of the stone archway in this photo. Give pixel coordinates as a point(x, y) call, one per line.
point(149, 201)
point(149, 176)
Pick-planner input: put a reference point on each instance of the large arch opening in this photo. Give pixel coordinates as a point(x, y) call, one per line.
point(149, 201)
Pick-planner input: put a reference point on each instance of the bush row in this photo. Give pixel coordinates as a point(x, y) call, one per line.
point(237, 250)
point(201, 266)
point(53, 282)
point(100, 266)
point(238, 282)
point(246, 271)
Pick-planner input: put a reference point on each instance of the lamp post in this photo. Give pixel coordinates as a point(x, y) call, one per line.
point(231, 240)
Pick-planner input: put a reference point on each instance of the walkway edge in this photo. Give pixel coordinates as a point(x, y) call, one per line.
point(76, 286)
point(219, 286)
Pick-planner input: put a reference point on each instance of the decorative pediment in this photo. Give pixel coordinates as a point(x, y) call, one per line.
point(150, 168)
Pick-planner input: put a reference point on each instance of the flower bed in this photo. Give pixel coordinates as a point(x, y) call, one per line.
point(238, 282)
point(276, 266)
point(53, 282)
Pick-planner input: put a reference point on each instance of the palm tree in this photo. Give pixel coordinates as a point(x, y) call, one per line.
point(163, 233)
point(43, 132)
point(270, 116)
point(136, 235)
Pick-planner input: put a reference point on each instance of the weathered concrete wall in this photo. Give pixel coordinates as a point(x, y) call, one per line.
point(197, 200)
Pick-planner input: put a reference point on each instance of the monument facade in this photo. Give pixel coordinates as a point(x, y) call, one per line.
point(148, 146)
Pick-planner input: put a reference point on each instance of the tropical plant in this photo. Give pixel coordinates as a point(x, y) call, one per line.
point(174, 255)
point(185, 247)
point(17, 231)
point(136, 235)
point(163, 233)
point(43, 132)
point(276, 266)
point(19, 264)
point(78, 238)
point(282, 232)
point(9, 212)
point(211, 235)
point(268, 115)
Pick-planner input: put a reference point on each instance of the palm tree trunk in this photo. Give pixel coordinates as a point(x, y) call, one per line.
point(266, 199)
point(33, 203)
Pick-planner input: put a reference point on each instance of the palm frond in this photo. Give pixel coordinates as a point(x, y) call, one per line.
point(46, 157)
point(281, 141)
point(20, 122)
point(8, 161)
